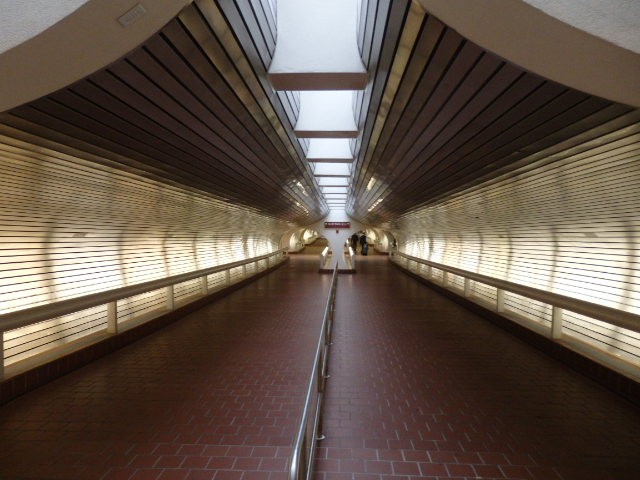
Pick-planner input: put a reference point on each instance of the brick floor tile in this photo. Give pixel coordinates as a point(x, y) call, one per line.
point(544, 473)
point(174, 474)
point(216, 450)
point(366, 476)
point(352, 465)
point(239, 451)
point(390, 454)
point(170, 461)
point(338, 476)
point(255, 475)
point(146, 474)
point(228, 475)
point(192, 462)
point(119, 473)
point(492, 458)
point(278, 476)
point(247, 463)
point(144, 461)
point(339, 453)
point(190, 450)
point(516, 472)
point(221, 463)
point(488, 471)
point(442, 457)
point(327, 465)
point(460, 470)
point(376, 466)
point(266, 452)
point(405, 468)
point(273, 464)
point(412, 374)
point(201, 474)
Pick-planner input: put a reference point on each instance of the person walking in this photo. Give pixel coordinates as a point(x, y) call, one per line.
point(354, 242)
point(364, 247)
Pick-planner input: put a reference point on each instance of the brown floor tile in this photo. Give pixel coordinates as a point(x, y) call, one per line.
point(419, 388)
point(439, 392)
point(217, 394)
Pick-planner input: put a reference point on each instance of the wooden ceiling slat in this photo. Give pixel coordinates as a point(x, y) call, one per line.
point(380, 65)
point(211, 91)
point(463, 118)
point(224, 132)
point(193, 106)
point(431, 31)
point(448, 45)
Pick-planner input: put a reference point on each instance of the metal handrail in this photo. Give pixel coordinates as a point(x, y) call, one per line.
point(620, 318)
point(28, 316)
point(301, 463)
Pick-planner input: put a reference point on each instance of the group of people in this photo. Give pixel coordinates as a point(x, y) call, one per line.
point(361, 238)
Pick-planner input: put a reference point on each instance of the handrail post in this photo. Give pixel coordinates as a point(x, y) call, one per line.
point(244, 271)
point(228, 276)
point(1, 354)
point(445, 278)
point(170, 298)
point(321, 369)
point(556, 322)
point(499, 300)
point(467, 287)
point(204, 285)
point(112, 317)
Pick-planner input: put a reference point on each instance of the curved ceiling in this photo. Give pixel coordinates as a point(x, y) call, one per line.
point(187, 107)
point(46, 41)
point(461, 115)
point(440, 113)
point(573, 43)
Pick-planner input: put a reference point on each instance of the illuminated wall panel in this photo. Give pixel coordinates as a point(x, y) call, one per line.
point(569, 226)
point(70, 228)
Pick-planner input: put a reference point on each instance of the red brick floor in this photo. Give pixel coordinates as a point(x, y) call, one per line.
point(420, 387)
point(215, 395)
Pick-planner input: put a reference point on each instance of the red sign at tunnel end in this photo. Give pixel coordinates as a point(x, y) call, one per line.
point(337, 224)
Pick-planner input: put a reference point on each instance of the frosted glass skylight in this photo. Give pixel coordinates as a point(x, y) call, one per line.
point(329, 150)
point(317, 48)
point(326, 114)
point(331, 169)
point(333, 181)
point(334, 190)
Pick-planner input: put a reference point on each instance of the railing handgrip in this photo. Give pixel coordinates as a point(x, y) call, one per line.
point(300, 465)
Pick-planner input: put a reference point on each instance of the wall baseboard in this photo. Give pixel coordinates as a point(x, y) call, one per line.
point(25, 382)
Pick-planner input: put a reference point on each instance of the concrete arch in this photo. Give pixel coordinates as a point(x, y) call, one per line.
point(89, 34)
point(576, 54)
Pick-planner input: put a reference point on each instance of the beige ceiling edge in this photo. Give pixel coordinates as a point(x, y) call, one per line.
point(83, 42)
point(544, 45)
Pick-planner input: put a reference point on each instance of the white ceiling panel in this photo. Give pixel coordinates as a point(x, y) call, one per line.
point(331, 170)
point(334, 189)
point(333, 181)
point(330, 150)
